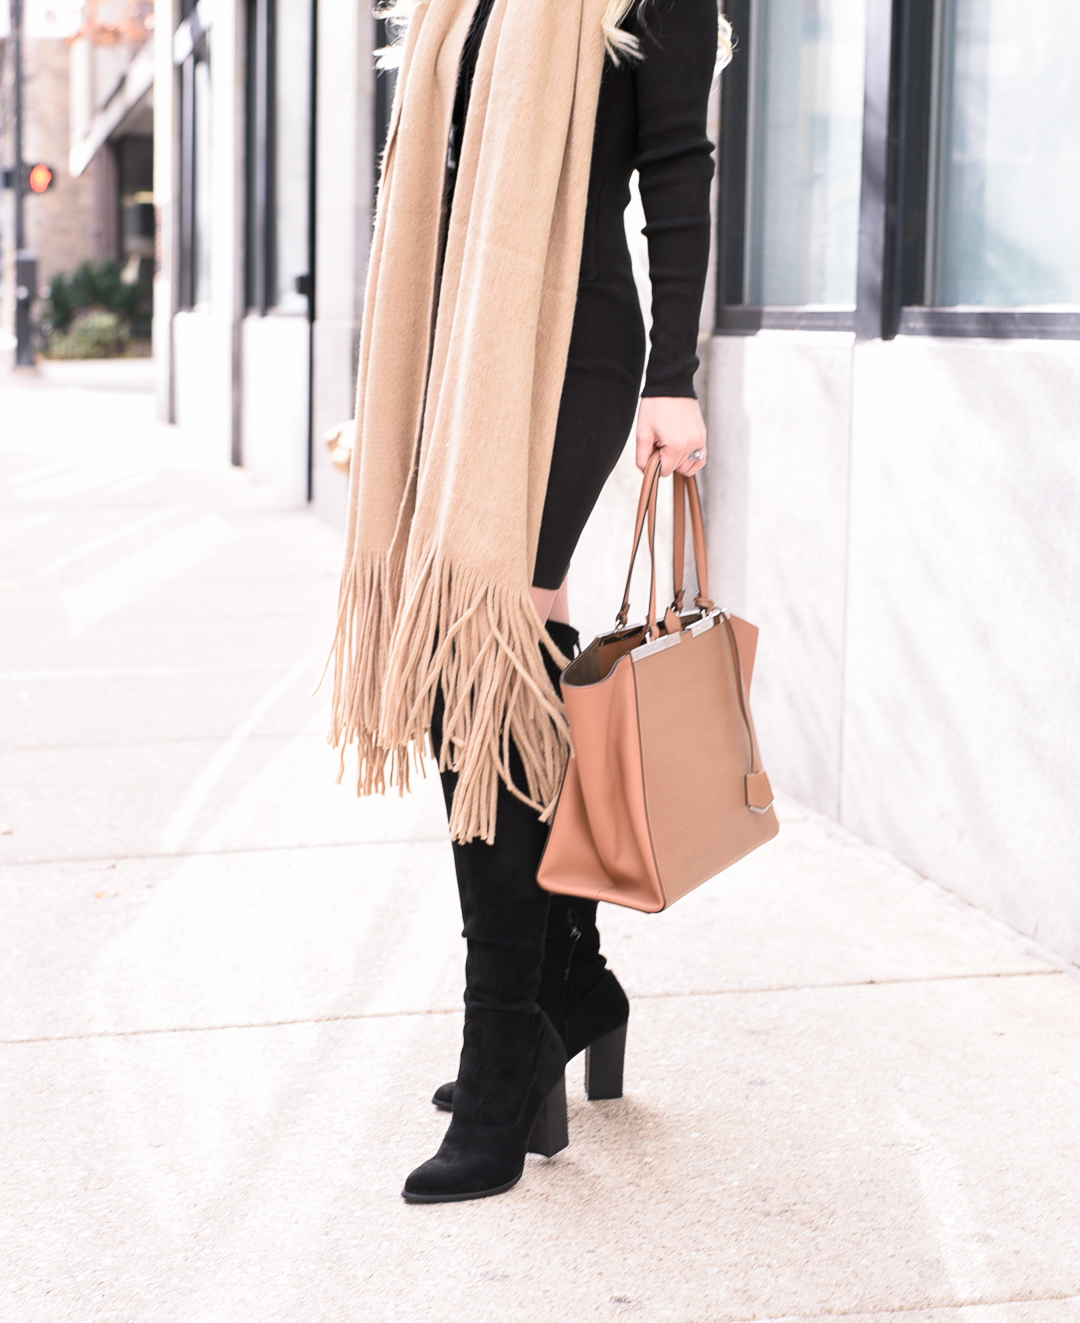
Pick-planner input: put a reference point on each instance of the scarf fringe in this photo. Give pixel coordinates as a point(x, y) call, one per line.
point(480, 645)
point(361, 647)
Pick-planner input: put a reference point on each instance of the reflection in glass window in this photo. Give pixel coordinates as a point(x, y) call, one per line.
point(805, 151)
point(1005, 190)
point(292, 151)
point(201, 186)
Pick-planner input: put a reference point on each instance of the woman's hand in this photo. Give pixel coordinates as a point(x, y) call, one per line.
point(674, 426)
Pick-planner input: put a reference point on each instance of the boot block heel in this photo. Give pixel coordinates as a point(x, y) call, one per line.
point(551, 1134)
point(604, 1065)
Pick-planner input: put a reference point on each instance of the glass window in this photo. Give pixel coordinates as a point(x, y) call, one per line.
point(1005, 184)
point(292, 152)
point(196, 202)
point(201, 184)
point(804, 166)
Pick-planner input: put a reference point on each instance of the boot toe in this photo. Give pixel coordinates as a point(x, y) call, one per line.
point(439, 1182)
point(444, 1096)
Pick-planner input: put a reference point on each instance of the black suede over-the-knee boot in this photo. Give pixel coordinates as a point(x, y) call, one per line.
point(583, 998)
point(510, 1096)
point(580, 995)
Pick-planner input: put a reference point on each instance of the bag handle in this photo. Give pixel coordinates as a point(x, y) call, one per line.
point(685, 493)
point(686, 490)
point(646, 506)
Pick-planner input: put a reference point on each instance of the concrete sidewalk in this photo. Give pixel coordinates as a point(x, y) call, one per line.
point(228, 988)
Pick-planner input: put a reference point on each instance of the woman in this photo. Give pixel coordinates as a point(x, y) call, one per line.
point(500, 365)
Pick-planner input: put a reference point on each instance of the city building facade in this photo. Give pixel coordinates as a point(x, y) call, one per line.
point(266, 125)
point(894, 396)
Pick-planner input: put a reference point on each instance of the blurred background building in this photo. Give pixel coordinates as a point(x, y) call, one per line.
point(891, 365)
point(88, 77)
point(267, 116)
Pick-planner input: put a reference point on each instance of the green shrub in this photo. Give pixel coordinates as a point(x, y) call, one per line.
point(93, 334)
point(96, 285)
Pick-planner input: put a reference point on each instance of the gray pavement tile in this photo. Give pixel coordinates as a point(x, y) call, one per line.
point(813, 906)
point(70, 504)
point(868, 1150)
point(134, 586)
point(52, 422)
point(310, 600)
point(103, 374)
point(252, 934)
point(176, 641)
point(144, 799)
point(1009, 1311)
point(848, 1094)
point(79, 706)
point(226, 939)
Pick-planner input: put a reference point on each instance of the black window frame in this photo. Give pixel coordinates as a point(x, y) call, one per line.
point(260, 210)
point(258, 157)
point(733, 315)
point(187, 256)
point(893, 208)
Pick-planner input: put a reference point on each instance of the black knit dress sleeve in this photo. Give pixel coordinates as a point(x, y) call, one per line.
point(674, 162)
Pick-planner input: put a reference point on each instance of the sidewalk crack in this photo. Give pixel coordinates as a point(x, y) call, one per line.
point(456, 1010)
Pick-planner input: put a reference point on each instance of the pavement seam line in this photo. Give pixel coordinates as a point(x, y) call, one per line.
point(107, 539)
point(859, 1312)
point(168, 739)
point(180, 825)
point(456, 1010)
point(224, 850)
point(138, 672)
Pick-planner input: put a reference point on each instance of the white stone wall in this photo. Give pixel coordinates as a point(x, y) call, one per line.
point(274, 396)
point(203, 364)
point(345, 192)
point(903, 521)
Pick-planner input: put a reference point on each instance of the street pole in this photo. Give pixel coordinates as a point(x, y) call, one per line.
point(25, 263)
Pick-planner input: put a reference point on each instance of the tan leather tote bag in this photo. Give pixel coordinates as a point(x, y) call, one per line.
point(664, 788)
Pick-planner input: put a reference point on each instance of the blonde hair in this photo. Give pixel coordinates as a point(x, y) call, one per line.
point(620, 44)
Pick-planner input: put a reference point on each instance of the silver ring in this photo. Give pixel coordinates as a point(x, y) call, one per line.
point(695, 455)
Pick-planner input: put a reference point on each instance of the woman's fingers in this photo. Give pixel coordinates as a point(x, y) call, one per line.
point(688, 457)
point(689, 466)
point(676, 458)
point(674, 426)
point(647, 442)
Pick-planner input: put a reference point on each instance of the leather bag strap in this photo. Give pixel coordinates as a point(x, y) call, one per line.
point(646, 507)
point(686, 491)
point(678, 557)
point(744, 706)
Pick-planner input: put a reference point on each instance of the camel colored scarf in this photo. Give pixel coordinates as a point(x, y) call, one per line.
point(459, 386)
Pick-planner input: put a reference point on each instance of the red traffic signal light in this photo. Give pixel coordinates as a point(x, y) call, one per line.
point(40, 178)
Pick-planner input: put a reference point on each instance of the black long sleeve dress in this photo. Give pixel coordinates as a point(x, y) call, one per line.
point(651, 117)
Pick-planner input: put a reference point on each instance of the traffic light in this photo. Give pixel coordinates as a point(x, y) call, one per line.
point(35, 178)
point(40, 178)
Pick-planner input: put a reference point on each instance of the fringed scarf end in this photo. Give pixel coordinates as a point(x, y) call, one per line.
point(480, 645)
point(361, 646)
